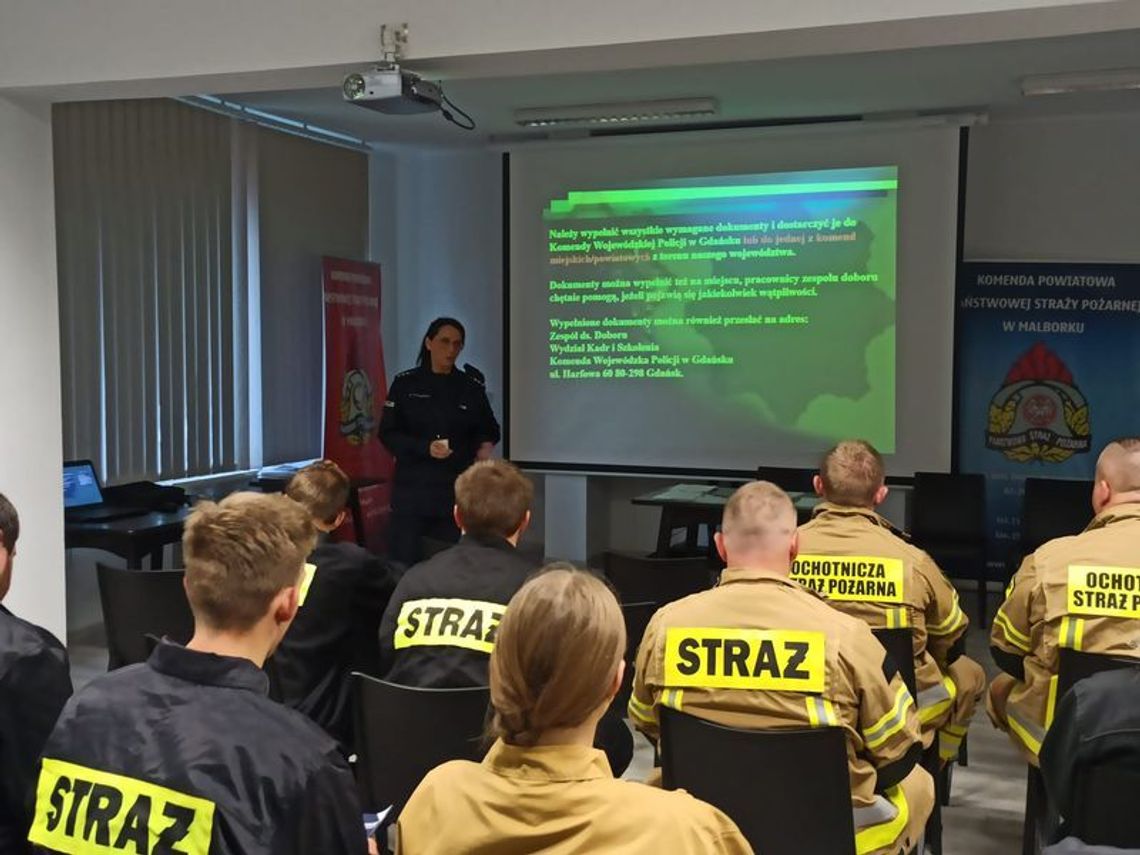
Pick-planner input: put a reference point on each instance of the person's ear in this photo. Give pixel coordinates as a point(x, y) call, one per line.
point(718, 539)
point(880, 495)
point(458, 517)
point(1101, 496)
point(339, 521)
point(817, 485)
point(794, 546)
point(285, 605)
point(523, 526)
point(5, 570)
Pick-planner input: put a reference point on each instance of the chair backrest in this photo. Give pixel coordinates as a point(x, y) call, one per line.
point(1053, 508)
point(637, 616)
point(787, 789)
point(141, 602)
point(949, 507)
point(1075, 665)
point(402, 733)
point(787, 479)
point(641, 579)
point(899, 644)
point(1104, 806)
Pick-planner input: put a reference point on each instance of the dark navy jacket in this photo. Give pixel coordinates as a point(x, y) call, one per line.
point(422, 407)
point(186, 753)
point(35, 683)
point(439, 627)
point(333, 635)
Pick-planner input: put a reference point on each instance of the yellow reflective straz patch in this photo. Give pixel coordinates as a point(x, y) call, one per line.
point(81, 810)
point(757, 659)
point(856, 578)
point(1104, 591)
point(451, 622)
point(307, 574)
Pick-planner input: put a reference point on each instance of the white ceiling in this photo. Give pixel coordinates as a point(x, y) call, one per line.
point(968, 77)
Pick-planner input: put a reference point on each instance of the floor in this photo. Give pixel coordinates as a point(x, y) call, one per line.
point(987, 800)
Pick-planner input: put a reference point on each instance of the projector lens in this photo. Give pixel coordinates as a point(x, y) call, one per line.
point(353, 87)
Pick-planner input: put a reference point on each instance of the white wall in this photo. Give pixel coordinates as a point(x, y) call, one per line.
point(1064, 188)
point(437, 235)
point(30, 462)
point(66, 42)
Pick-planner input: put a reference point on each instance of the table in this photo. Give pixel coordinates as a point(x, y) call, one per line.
point(689, 506)
point(132, 538)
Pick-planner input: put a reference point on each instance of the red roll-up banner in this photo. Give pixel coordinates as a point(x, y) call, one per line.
point(355, 385)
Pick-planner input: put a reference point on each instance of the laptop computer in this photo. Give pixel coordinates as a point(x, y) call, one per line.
point(83, 499)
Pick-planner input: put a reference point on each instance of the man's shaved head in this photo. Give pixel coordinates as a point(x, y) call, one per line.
point(852, 473)
point(1119, 465)
point(759, 526)
point(1117, 474)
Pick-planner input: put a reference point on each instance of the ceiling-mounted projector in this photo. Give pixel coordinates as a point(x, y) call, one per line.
point(390, 90)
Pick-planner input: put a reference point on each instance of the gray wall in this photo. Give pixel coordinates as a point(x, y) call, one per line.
point(1062, 188)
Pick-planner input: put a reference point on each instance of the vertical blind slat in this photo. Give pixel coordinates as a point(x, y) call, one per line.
point(144, 222)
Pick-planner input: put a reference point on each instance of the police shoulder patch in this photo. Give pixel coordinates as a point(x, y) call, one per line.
point(82, 810)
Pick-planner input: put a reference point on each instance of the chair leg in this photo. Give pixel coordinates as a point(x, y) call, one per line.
point(933, 835)
point(982, 591)
point(946, 780)
point(1034, 807)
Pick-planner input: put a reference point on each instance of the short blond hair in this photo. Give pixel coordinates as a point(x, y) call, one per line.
point(493, 497)
point(852, 473)
point(322, 488)
point(242, 552)
point(758, 511)
point(556, 653)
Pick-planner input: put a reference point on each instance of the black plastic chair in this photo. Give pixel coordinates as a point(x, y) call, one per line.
point(787, 789)
point(1051, 508)
point(137, 603)
point(402, 733)
point(1073, 666)
point(642, 579)
point(787, 479)
point(948, 520)
point(899, 644)
point(637, 616)
point(1104, 807)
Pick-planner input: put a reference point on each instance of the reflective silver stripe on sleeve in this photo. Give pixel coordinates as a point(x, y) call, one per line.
point(874, 814)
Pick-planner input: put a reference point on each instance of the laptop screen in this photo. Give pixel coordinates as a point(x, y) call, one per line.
point(80, 485)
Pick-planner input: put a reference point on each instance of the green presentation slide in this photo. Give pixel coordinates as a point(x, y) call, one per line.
point(764, 301)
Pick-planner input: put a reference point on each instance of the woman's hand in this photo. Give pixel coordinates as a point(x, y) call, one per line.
point(440, 449)
point(486, 449)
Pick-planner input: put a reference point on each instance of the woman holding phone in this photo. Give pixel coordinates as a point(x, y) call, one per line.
point(437, 421)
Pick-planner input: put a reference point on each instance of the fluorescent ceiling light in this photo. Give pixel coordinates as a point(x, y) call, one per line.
point(624, 112)
point(1109, 80)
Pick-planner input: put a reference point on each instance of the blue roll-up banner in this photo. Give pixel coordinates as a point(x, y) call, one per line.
point(1046, 372)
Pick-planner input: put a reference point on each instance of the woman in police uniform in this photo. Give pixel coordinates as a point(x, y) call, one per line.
point(437, 422)
point(555, 668)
